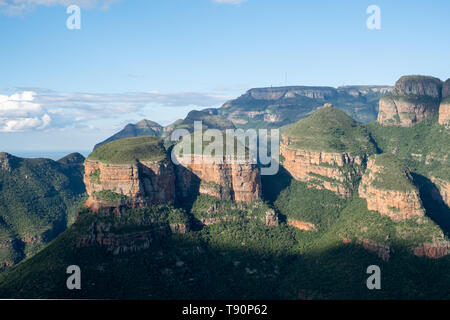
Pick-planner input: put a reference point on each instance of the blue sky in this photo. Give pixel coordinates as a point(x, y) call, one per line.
point(64, 89)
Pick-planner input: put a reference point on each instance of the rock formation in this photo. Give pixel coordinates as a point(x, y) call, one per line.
point(141, 183)
point(413, 99)
point(444, 108)
point(302, 225)
point(321, 170)
point(326, 150)
point(220, 178)
point(388, 189)
point(438, 248)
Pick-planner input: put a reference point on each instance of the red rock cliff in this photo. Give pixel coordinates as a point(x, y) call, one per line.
point(143, 183)
point(320, 170)
point(396, 204)
point(224, 179)
point(413, 99)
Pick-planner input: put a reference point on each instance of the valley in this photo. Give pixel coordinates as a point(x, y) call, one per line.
point(363, 180)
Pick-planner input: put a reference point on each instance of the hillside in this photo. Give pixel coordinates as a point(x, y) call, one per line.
point(256, 261)
point(142, 128)
point(38, 200)
point(329, 130)
point(129, 150)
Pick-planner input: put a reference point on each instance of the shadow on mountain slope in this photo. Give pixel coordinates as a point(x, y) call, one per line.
point(436, 208)
point(225, 261)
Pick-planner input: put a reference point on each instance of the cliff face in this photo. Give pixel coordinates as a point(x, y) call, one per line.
point(397, 204)
point(413, 99)
point(444, 108)
point(141, 183)
point(226, 179)
point(321, 170)
point(291, 92)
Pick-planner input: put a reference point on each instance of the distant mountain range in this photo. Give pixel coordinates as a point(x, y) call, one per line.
point(269, 108)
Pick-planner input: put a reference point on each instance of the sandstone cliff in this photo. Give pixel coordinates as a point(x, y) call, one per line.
point(387, 187)
point(444, 108)
point(141, 183)
point(413, 99)
point(326, 150)
point(129, 173)
point(221, 178)
point(321, 170)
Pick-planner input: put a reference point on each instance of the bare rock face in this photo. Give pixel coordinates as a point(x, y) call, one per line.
point(291, 92)
point(5, 161)
point(435, 249)
point(321, 170)
point(397, 204)
point(444, 108)
point(221, 178)
point(141, 183)
point(302, 225)
point(413, 99)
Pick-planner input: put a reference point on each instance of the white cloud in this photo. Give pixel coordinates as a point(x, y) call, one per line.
point(230, 1)
point(19, 112)
point(39, 109)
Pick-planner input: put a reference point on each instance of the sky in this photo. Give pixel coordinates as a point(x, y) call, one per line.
point(67, 89)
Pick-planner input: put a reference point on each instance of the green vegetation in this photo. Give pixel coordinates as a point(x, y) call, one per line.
point(95, 176)
point(227, 142)
point(130, 150)
point(423, 147)
point(394, 174)
point(209, 207)
point(330, 130)
point(299, 202)
point(109, 195)
point(38, 200)
point(242, 259)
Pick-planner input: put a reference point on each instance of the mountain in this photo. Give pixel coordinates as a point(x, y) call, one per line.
point(279, 106)
point(413, 99)
point(444, 108)
point(38, 200)
point(347, 196)
point(210, 119)
point(327, 150)
point(142, 128)
point(268, 108)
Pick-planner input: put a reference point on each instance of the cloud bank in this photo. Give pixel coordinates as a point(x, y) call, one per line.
point(41, 109)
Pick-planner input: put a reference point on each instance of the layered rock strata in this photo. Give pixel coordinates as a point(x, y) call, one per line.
point(413, 99)
point(398, 205)
point(221, 178)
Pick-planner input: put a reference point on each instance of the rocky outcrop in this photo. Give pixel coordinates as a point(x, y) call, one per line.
point(444, 108)
point(397, 204)
point(321, 170)
point(302, 225)
point(277, 93)
point(435, 249)
point(413, 99)
point(220, 178)
point(139, 184)
point(5, 161)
